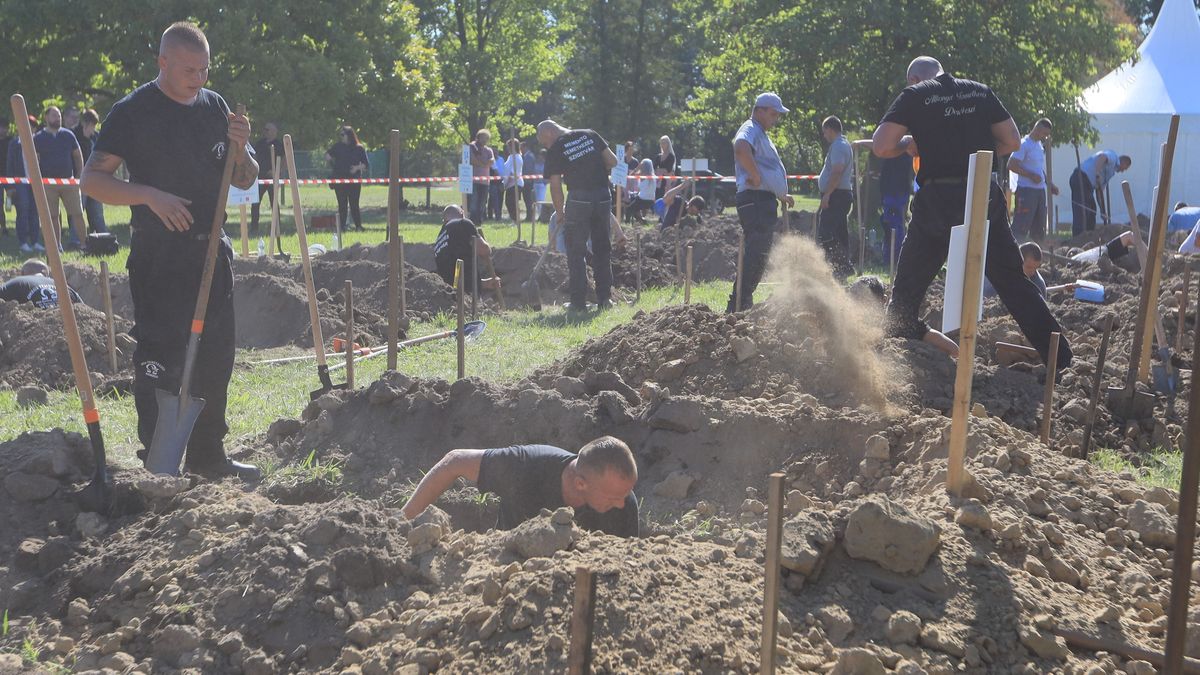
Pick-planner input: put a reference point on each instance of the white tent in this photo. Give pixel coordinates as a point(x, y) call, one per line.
point(1131, 109)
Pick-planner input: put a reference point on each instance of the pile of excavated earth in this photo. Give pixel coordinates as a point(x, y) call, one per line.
point(316, 570)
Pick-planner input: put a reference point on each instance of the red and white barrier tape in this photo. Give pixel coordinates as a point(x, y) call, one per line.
point(8, 180)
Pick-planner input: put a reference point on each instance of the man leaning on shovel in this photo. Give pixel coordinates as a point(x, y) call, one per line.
point(172, 134)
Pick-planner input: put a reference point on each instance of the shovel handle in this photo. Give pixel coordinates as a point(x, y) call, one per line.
point(309, 286)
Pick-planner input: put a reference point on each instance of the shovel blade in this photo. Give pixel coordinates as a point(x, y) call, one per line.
point(533, 294)
point(95, 497)
point(172, 429)
point(1129, 405)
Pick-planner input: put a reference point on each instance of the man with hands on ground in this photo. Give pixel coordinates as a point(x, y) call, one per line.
point(172, 134)
point(454, 244)
point(598, 483)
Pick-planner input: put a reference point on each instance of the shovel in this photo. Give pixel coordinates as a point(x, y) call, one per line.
point(1163, 376)
point(97, 495)
point(309, 286)
point(532, 288)
point(177, 413)
point(471, 332)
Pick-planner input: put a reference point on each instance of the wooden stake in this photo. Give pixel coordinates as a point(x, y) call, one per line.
point(462, 339)
point(687, 283)
point(1051, 371)
point(1152, 271)
point(637, 243)
point(579, 659)
point(395, 257)
point(276, 194)
point(978, 187)
point(474, 279)
point(108, 316)
point(1183, 307)
point(349, 293)
point(1097, 382)
point(770, 627)
point(737, 280)
point(1142, 254)
point(1084, 641)
point(1185, 532)
point(306, 264)
point(678, 253)
point(245, 231)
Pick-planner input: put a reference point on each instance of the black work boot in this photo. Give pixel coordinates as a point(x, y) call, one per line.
point(215, 465)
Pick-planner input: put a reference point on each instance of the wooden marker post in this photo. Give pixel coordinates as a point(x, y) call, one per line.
point(678, 253)
point(579, 659)
point(978, 187)
point(245, 231)
point(462, 339)
point(108, 316)
point(737, 280)
point(349, 293)
point(637, 243)
point(1185, 533)
point(1152, 270)
point(1140, 248)
point(1051, 371)
point(1097, 383)
point(276, 195)
point(770, 627)
point(395, 258)
point(1183, 307)
point(687, 282)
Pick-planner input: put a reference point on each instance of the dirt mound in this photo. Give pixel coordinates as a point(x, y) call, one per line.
point(86, 281)
point(34, 352)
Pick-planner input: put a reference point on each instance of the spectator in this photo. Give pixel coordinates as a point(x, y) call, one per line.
point(665, 164)
point(60, 157)
point(349, 160)
point(266, 170)
point(1029, 163)
point(528, 162)
point(514, 167)
point(5, 139)
point(482, 158)
point(647, 186)
point(27, 224)
point(837, 195)
point(495, 207)
point(1092, 175)
point(85, 133)
point(895, 187)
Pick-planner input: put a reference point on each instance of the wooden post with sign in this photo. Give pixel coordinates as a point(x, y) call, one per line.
point(978, 193)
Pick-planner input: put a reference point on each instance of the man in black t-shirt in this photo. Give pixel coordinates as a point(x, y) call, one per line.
point(262, 151)
point(172, 134)
point(946, 119)
point(34, 286)
point(581, 159)
point(598, 483)
point(454, 243)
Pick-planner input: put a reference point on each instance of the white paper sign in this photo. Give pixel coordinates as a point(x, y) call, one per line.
point(689, 165)
point(956, 271)
point(620, 174)
point(465, 179)
point(238, 196)
point(466, 156)
point(620, 154)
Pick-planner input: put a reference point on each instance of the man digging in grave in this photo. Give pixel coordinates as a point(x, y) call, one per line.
point(949, 119)
point(454, 243)
point(172, 135)
point(597, 483)
point(35, 286)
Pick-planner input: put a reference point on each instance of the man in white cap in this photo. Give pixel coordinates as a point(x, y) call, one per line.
point(761, 184)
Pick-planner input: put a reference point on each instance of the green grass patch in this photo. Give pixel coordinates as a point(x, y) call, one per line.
point(1162, 468)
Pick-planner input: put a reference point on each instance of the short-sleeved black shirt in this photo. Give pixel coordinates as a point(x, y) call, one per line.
point(345, 156)
point(34, 288)
point(578, 156)
point(454, 243)
point(177, 148)
point(949, 118)
point(528, 478)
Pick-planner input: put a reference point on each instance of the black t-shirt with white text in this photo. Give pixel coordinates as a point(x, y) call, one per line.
point(34, 288)
point(528, 478)
point(174, 147)
point(949, 118)
point(578, 156)
point(454, 243)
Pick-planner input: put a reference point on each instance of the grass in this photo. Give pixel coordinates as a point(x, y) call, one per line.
point(514, 345)
point(311, 470)
point(1162, 468)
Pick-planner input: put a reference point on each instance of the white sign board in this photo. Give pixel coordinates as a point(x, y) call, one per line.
point(620, 154)
point(466, 180)
point(238, 196)
point(690, 165)
point(620, 174)
point(466, 155)
point(956, 267)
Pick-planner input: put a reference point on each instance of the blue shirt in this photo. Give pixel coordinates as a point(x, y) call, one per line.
point(840, 153)
point(55, 151)
point(766, 158)
point(1088, 167)
point(1184, 220)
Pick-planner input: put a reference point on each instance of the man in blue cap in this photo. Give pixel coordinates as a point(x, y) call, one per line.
point(761, 185)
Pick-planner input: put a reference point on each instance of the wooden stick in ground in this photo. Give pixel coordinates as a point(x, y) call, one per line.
point(1185, 533)
point(687, 282)
point(1183, 307)
point(306, 264)
point(349, 293)
point(393, 239)
point(462, 339)
point(770, 627)
point(1051, 210)
point(108, 316)
point(1097, 384)
point(1091, 643)
point(637, 243)
point(1140, 247)
point(245, 231)
point(273, 238)
point(978, 186)
point(1051, 371)
point(737, 280)
point(1152, 271)
point(579, 659)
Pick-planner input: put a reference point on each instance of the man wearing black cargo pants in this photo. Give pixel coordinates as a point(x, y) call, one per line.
point(582, 159)
point(761, 185)
point(949, 119)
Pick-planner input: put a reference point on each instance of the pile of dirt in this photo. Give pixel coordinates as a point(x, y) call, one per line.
point(86, 281)
point(33, 350)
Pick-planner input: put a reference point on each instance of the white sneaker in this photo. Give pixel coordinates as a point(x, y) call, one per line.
point(26, 248)
point(39, 247)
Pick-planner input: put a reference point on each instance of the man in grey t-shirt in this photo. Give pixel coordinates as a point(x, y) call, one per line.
point(761, 184)
point(837, 194)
